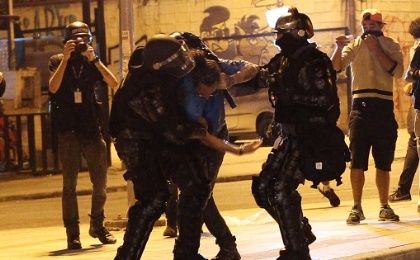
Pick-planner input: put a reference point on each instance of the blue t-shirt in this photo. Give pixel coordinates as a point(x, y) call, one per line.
point(212, 109)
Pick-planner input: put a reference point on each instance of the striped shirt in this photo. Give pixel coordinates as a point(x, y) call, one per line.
point(369, 79)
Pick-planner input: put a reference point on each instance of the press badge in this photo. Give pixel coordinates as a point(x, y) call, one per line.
point(77, 96)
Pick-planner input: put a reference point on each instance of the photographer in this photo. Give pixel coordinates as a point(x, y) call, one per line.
point(76, 114)
point(375, 61)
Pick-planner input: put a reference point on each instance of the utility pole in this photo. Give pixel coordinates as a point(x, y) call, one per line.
point(86, 12)
point(126, 35)
point(351, 16)
point(126, 48)
point(11, 37)
point(351, 25)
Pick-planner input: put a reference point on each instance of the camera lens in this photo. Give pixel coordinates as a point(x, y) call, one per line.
point(81, 47)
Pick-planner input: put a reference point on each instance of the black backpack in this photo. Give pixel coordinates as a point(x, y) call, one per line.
point(324, 153)
point(323, 147)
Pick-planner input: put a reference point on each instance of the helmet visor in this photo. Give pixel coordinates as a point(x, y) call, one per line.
point(178, 64)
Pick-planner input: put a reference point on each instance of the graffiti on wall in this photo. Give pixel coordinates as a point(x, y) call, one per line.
point(246, 40)
point(249, 38)
point(266, 3)
point(47, 19)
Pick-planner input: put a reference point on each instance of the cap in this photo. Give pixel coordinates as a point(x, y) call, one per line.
point(371, 14)
point(77, 29)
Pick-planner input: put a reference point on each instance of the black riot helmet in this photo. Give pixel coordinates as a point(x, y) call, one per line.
point(166, 54)
point(295, 23)
point(136, 58)
point(78, 29)
point(194, 42)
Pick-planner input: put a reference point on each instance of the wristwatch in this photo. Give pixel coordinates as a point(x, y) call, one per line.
point(95, 60)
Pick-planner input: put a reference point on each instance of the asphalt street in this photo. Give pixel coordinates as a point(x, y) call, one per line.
point(30, 213)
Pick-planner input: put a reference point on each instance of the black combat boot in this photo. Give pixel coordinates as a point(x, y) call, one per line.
point(302, 254)
point(228, 250)
point(97, 230)
point(140, 224)
point(182, 251)
point(73, 237)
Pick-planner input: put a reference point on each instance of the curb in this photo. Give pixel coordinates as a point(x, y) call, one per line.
point(58, 194)
point(120, 223)
point(405, 252)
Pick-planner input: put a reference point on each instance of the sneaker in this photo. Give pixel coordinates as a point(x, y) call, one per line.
point(386, 213)
point(356, 215)
point(170, 232)
point(399, 195)
point(331, 196)
point(73, 243)
point(102, 234)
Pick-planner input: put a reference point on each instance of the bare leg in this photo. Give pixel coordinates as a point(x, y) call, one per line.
point(357, 178)
point(382, 183)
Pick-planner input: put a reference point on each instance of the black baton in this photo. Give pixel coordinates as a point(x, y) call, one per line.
point(229, 98)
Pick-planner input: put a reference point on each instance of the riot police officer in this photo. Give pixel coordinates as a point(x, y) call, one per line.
point(148, 122)
point(302, 88)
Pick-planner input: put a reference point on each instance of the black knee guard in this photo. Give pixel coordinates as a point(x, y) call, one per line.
point(289, 210)
point(190, 220)
point(141, 218)
point(259, 191)
point(307, 231)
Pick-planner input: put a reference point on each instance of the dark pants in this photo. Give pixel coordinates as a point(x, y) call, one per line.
point(154, 165)
point(172, 207)
point(411, 157)
point(212, 217)
point(275, 190)
point(94, 150)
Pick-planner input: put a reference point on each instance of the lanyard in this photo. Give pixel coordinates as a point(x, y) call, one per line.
point(77, 93)
point(77, 75)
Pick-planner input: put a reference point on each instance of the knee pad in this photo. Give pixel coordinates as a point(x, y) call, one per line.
point(159, 202)
point(150, 208)
point(260, 192)
point(286, 197)
point(196, 193)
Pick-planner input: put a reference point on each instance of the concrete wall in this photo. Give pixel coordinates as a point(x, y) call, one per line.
point(235, 18)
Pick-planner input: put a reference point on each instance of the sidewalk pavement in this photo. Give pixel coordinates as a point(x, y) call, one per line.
point(257, 233)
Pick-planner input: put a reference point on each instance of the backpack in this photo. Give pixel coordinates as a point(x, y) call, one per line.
point(324, 154)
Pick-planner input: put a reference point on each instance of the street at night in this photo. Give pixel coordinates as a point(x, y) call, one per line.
point(32, 228)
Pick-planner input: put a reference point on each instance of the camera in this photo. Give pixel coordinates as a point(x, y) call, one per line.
point(374, 33)
point(81, 47)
